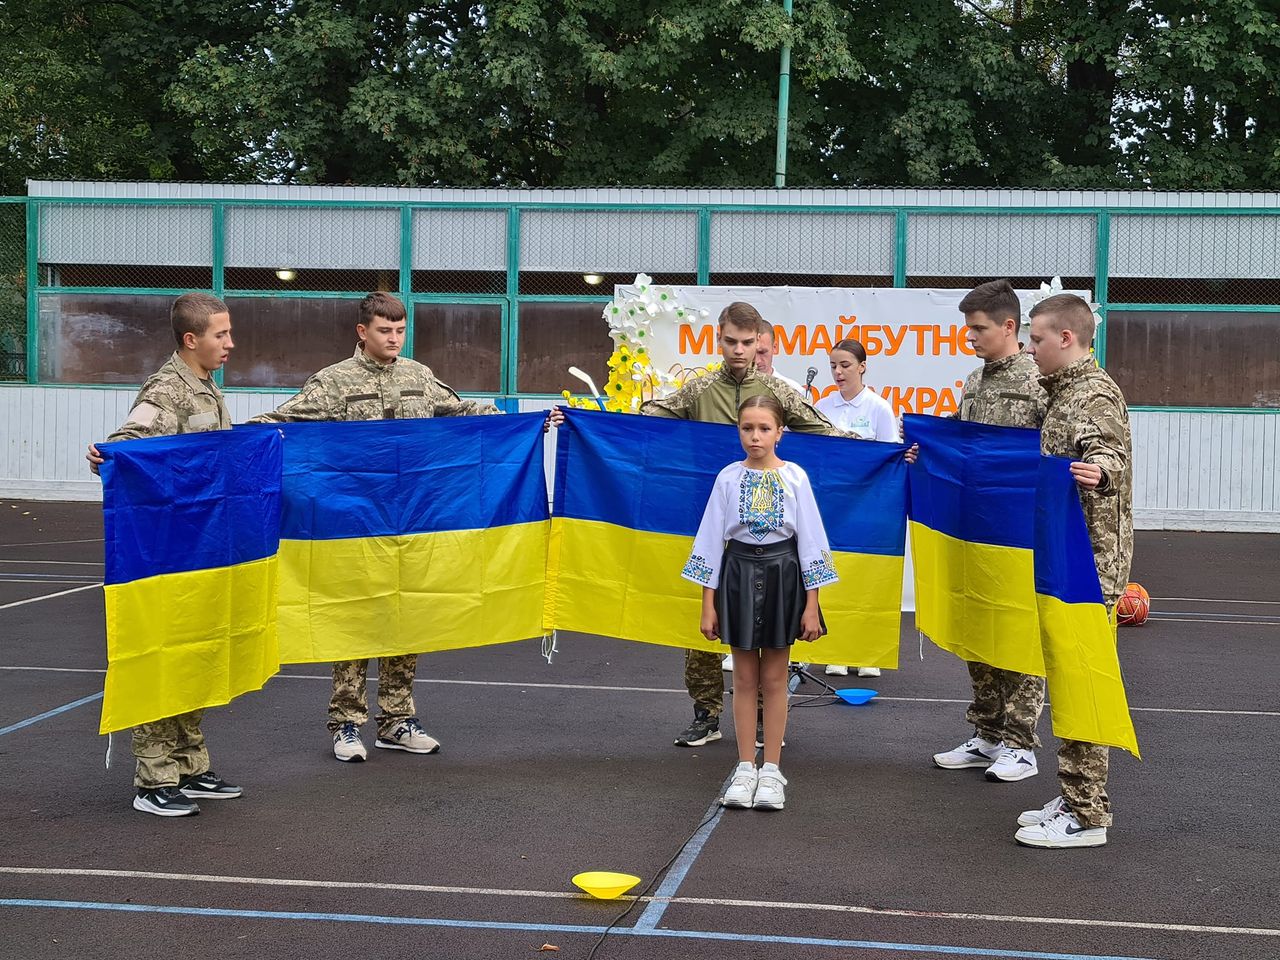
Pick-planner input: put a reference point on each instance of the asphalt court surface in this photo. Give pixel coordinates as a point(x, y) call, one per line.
point(548, 770)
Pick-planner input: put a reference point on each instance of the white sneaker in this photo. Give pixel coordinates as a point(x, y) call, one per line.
point(1013, 765)
point(347, 745)
point(727, 666)
point(975, 752)
point(868, 671)
point(1060, 831)
point(408, 735)
point(742, 788)
point(770, 794)
point(835, 670)
point(1029, 818)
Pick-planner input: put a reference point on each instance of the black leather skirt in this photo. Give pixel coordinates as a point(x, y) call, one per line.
point(761, 595)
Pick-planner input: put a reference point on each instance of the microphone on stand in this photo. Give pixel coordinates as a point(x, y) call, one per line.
point(808, 380)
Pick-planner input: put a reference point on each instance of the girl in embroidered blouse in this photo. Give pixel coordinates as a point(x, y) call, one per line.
point(760, 555)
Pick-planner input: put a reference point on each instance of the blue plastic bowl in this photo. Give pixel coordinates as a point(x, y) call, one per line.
point(855, 695)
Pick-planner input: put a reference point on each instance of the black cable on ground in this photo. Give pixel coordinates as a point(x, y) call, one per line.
point(649, 886)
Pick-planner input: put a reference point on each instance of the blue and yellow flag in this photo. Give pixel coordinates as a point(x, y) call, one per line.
point(973, 540)
point(191, 527)
point(630, 492)
point(409, 536)
point(1086, 688)
point(1004, 570)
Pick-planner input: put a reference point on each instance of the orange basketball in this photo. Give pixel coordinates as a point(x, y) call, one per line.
point(1133, 607)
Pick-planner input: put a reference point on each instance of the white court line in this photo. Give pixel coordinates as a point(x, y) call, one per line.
point(49, 596)
point(590, 686)
point(508, 683)
point(1238, 623)
point(60, 563)
point(51, 543)
point(43, 579)
point(691, 901)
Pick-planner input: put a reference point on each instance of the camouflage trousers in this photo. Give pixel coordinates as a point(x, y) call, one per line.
point(350, 700)
point(1006, 705)
point(1082, 777)
point(704, 680)
point(169, 749)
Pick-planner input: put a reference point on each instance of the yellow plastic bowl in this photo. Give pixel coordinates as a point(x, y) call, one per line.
point(604, 885)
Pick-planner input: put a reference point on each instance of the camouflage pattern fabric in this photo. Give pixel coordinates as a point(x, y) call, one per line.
point(1004, 393)
point(715, 398)
point(174, 400)
point(1006, 705)
point(349, 702)
point(360, 388)
point(704, 679)
point(169, 749)
point(1088, 420)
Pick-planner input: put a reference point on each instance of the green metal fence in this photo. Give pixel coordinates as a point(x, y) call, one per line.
point(1189, 273)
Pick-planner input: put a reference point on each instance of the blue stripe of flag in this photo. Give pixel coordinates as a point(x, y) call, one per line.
point(655, 474)
point(190, 502)
point(397, 477)
point(1064, 561)
point(973, 481)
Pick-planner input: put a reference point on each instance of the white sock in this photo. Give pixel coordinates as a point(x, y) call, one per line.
point(746, 766)
point(770, 768)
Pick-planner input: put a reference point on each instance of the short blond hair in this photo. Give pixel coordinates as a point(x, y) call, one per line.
point(1066, 311)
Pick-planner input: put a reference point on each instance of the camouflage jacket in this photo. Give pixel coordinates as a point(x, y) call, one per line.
point(1005, 393)
point(174, 400)
point(1088, 420)
point(715, 398)
point(363, 389)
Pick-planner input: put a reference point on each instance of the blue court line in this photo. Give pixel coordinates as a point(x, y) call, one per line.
point(50, 713)
point(652, 915)
point(930, 948)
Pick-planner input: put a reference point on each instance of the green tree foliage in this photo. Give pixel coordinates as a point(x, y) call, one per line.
point(1070, 93)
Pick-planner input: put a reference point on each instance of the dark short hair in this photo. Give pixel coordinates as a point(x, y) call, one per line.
point(379, 304)
point(852, 346)
point(766, 402)
point(741, 315)
point(1066, 311)
point(997, 300)
point(190, 313)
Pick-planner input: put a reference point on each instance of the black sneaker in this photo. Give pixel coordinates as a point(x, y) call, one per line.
point(208, 786)
point(165, 802)
point(704, 729)
point(760, 736)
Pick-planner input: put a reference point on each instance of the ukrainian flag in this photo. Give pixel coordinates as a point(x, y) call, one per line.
point(409, 536)
point(1079, 635)
point(973, 540)
point(1004, 570)
point(630, 492)
point(191, 528)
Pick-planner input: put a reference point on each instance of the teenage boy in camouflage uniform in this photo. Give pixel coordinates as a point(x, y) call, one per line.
point(715, 398)
point(1088, 422)
point(172, 768)
point(375, 383)
point(1004, 391)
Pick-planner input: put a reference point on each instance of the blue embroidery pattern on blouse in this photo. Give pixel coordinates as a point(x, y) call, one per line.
point(698, 568)
point(819, 571)
point(761, 500)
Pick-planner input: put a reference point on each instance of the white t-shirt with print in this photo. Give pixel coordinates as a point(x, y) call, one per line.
point(868, 415)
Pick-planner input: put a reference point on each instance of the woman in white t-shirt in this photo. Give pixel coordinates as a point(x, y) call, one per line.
point(855, 407)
